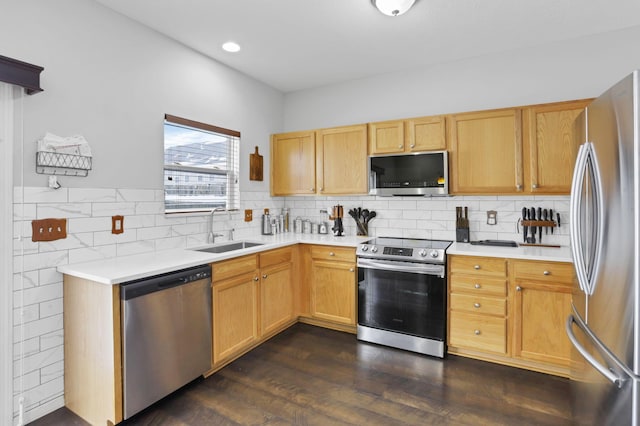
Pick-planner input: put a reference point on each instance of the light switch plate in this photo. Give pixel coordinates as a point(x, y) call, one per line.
point(492, 217)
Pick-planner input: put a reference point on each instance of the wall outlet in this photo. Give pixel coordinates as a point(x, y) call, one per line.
point(248, 215)
point(492, 217)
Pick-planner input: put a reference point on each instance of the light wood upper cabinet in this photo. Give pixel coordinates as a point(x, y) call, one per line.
point(341, 160)
point(551, 144)
point(293, 163)
point(325, 162)
point(486, 152)
point(413, 135)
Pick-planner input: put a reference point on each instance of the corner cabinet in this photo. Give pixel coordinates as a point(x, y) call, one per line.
point(486, 152)
point(325, 162)
point(293, 163)
point(551, 143)
point(510, 312)
point(405, 136)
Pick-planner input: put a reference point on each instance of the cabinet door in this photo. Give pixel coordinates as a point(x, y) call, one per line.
point(333, 291)
point(426, 134)
point(276, 298)
point(386, 137)
point(235, 315)
point(486, 152)
point(341, 160)
point(293, 165)
point(540, 311)
point(552, 146)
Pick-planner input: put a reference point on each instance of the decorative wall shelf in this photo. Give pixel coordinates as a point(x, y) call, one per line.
point(53, 163)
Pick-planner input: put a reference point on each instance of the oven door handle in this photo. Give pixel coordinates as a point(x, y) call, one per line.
point(408, 267)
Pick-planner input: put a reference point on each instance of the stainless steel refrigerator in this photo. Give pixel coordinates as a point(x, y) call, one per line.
point(605, 243)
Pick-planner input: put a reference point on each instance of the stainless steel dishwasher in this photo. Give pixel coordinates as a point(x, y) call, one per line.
point(166, 334)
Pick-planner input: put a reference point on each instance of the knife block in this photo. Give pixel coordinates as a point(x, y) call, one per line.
point(462, 235)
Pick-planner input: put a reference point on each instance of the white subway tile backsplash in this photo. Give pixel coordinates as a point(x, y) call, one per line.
point(49, 276)
point(136, 247)
point(92, 253)
point(51, 340)
point(92, 195)
point(44, 195)
point(90, 224)
point(38, 294)
point(52, 371)
point(73, 241)
point(136, 195)
point(154, 233)
point(66, 210)
point(26, 314)
point(37, 328)
point(106, 237)
point(26, 381)
point(51, 307)
point(26, 347)
point(32, 262)
point(152, 207)
point(113, 209)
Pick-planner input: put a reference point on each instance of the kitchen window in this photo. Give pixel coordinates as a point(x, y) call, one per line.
point(200, 166)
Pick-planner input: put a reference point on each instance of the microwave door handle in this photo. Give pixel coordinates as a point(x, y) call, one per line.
point(575, 224)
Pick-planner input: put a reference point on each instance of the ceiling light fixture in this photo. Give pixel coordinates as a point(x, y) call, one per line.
point(393, 7)
point(231, 46)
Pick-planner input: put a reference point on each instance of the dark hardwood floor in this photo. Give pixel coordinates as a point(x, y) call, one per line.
point(313, 376)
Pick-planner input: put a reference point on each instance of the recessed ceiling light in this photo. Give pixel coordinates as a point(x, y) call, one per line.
point(231, 46)
point(393, 7)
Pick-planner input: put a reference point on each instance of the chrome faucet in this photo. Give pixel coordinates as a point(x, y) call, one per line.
point(212, 237)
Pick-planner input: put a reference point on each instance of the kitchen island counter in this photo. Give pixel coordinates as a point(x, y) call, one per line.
point(126, 268)
point(551, 254)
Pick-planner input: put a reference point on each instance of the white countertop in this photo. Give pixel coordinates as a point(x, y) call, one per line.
point(121, 269)
point(553, 254)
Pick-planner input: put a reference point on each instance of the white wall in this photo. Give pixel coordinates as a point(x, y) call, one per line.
point(112, 81)
point(574, 69)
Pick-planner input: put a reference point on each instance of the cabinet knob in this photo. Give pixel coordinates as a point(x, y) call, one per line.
point(413, 145)
point(546, 273)
point(477, 286)
point(476, 332)
point(534, 186)
point(351, 270)
point(518, 288)
point(256, 278)
point(476, 305)
point(400, 146)
point(264, 277)
point(321, 189)
point(519, 187)
point(331, 253)
point(476, 267)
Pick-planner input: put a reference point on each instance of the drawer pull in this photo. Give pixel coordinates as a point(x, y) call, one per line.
point(518, 288)
point(476, 267)
point(476, 332)
point(331, 253)
point(477, 286)
point(546, 273)
point(476, 305)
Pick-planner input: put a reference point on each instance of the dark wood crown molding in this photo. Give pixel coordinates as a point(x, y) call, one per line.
point(21, 74)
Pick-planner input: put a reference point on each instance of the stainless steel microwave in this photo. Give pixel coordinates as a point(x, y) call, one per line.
point(423, 173)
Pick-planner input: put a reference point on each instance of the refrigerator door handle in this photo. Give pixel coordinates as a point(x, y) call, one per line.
point(574, 216)
point(606, 372)
point(598, 223)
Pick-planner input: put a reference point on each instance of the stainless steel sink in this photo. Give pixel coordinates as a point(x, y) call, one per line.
point(223, 248)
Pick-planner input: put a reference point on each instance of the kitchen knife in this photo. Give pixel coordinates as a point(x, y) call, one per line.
point(524, 228)
point(558, 215)
point(466, 217)
point(551, 218)
point(539, 227)
point(532, 216)
point(545, 217)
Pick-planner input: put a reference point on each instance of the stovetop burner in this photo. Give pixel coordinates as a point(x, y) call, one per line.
point(404, 249)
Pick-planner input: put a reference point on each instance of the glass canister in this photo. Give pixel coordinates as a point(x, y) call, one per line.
point(297, 225)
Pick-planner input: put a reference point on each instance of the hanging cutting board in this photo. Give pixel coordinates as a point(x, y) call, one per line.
point(255, 166)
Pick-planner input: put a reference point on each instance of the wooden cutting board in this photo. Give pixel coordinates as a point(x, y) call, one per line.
point(255, 166)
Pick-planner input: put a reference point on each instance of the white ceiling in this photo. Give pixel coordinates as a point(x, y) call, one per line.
point(299, 44)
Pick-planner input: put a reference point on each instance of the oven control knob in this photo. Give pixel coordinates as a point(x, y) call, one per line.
point(434, 254)
point(422, 252)
point(374, 249)
point(364, 247)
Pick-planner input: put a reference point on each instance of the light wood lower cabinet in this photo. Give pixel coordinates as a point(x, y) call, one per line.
point(510, 311)
point(253, 298)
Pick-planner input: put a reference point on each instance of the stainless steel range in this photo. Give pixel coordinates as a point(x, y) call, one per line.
point(402, 291)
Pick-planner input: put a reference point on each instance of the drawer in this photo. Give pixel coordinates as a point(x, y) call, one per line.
point(333, 253)
point(231, 268)
point(479, 265)
point(558, 272)
point(274, 257)
point(478, 304)
point(479, 332)
point(480, 285)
